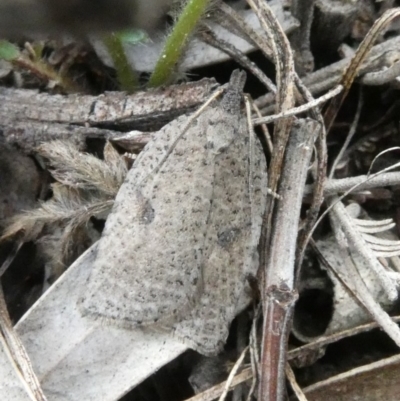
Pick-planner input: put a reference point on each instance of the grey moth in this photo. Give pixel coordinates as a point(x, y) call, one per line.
point(182, 236)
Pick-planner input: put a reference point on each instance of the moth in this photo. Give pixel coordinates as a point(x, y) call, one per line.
point(182, 236)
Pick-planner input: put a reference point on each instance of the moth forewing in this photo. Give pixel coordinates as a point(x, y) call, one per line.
point(183, 232)
point(241, 183)
point(148, 267)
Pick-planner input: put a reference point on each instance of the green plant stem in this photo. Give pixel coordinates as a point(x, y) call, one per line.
point(125, 75)
point(177, 41)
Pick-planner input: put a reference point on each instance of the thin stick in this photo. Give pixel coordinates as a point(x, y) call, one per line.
point(210, 38)
point(349, 276)
point(251, 35)
point(359, 183)
point(326, 340)
point(328, 77)
point(232, 374)
point(300, 109)
point(350, 190)
point(18, 354)
point(10, 257)
point(250, 129)
point(293, 383)
point(356, 62)
point(254, 353)
point(350, 135)
point(213, 392)
point(357, 244)
point(265, 130)
point(382, 77)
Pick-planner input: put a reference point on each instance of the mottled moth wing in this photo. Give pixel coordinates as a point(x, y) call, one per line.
point(233, 233)
point(183, 233)
point(149, 259)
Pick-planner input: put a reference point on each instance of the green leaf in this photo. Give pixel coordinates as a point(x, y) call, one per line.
point(132, 36)
point(8, 51)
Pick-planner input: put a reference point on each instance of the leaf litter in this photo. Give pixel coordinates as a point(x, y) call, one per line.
point(354, 166)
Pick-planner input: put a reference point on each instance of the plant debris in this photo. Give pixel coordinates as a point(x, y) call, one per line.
point(323, 309)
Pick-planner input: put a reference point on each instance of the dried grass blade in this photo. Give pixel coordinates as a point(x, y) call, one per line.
point(373, 223)
point(361, 54)
point(352, 281)
point(357, 244)
point(285, 75)
point(16, 352)
point(375, 229)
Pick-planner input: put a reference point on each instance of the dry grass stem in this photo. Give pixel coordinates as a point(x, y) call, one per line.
point(17, 354)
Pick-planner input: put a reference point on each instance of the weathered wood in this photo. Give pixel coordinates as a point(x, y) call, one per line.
point(326, 78)
point(28, 117)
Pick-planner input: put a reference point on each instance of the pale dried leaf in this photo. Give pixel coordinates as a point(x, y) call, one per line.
point(68, 351)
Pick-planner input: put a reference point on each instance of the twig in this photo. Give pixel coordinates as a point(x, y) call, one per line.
point(349, 276)
point(254, 352)
point(265, 130)
point(17, 352)
point(247, 374)
point(357, 185)
point(319, 177)
point(293, 383)
point(232, 374)
point(210, 38)
point(300, 109)
point(251, 35)
point(28, 118)
point(10, 257)
point(368, 371)
point(215, 391)
point(361, 182)
point(382, 77)
point(280, 296)
point(355, 64)
point(326, 340)
point(277, 294)
point(350, 135)
point(358, 245)
point(312, 214)
point(284, 65)
point(328, 77)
